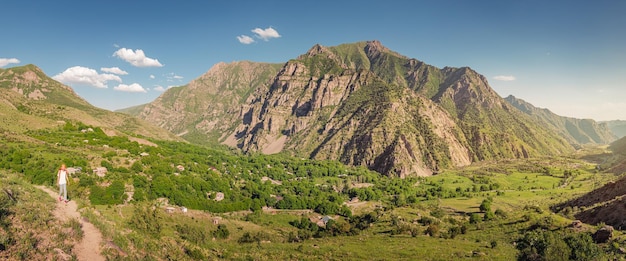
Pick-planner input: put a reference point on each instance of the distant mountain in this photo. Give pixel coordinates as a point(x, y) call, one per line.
point(605, 204)
point(29, 99)
point(361, 104)
point(576, 131)
point(618, 127)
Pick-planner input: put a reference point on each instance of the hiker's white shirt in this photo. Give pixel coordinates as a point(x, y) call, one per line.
point(62, 177)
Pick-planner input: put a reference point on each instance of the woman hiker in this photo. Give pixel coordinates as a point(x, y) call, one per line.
point(62, 180)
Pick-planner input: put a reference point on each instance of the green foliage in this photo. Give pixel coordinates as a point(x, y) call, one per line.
point(147, 219)
point(111, 195)
point(221, 232)
point(485, 206)
point(257, 237)
point(501, 213)
point(475, 218)
point(556, 245)
point(193, 233)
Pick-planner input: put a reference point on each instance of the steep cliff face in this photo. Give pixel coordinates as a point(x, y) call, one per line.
point(365, 105)
point(575, 131)
point(208, 108)
point(359, 103)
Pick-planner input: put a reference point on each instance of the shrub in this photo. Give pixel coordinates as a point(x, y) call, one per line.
point(193, 234)
point(147, 219)
point(475, 218)
point(485, 206)
point(221, 232)
point(432, 230)
point(501, 213)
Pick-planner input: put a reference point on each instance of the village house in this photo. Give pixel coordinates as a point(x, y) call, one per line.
point(100, 171)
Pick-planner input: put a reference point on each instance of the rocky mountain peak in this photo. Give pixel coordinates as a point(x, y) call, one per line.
point(374, 47)
point(317, 49)
point(359, 103)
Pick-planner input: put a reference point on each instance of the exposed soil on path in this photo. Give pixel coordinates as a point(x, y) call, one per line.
point(89, 248)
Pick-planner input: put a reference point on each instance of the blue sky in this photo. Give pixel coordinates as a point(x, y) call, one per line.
point(567, 56)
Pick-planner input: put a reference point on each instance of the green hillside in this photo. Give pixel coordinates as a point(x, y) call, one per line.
point(259, 206)
point(31, 100)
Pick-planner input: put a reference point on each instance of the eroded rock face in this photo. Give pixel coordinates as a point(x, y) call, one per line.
point(361, 104)
point(212, 104)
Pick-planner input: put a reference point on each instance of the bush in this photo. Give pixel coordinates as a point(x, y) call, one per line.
point(194, 234)
point(221, 232)
point(147, 219)
point(475, 218)
point(501, 213)
point(432, 230)
point(485, 206)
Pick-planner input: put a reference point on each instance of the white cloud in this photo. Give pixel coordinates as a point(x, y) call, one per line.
point(159, 88)
point(506, 78)
point(137, 58)
point(135, 87)
point(266, 34)
point(172, 76)
point(86, 76)
point(152, 76)
point(244, 39)
point(115, 70)
point(6, 61)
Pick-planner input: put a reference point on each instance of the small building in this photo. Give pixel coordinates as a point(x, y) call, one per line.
point(183, 209)
point(325, 219)
point(100, 171)
point(73, 170)
point(321, 221)
point(216, 220)
point(169, 210)
point(144, 154)
point(180, 168)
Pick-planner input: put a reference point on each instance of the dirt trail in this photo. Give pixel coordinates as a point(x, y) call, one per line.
point(89, 247)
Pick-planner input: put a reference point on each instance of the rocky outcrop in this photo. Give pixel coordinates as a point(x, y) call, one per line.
point(361, 104)
point(208, 108)
point(373, 107)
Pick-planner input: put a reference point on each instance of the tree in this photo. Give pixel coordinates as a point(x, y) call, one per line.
point(583, 247)
point(485, 206)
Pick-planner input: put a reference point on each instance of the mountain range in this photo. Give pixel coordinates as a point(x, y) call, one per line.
point(575, 131)
point(363, 104)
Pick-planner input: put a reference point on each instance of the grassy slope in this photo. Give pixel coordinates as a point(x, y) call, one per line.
point(28, 230)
